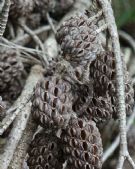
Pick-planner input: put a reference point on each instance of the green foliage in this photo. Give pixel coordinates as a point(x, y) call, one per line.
point(128, 16)
point(124, 11)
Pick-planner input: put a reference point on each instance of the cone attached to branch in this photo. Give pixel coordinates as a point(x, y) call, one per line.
point(82, 145)
point(44, 152)
point(98, 109)
point(52, 102)
point(103, 72)
point(78, 40)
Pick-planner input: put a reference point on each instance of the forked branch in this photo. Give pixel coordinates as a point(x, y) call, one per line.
point(109, 18)
point(116, 142)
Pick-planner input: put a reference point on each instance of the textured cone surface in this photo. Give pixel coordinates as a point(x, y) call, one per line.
point(78, 39)
point(10, 68)
point(103, 72)
point(98, 109)
point(88, 105)
point(44, 152)
point(12, 92)
point(20, 8)
point(82, 145)
point(52, 102)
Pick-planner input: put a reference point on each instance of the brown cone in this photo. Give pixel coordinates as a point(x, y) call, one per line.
point(98, 109)
point(79, 40)
point(12, 93)
point(20, 8)
point(52, 102)
point(10, 68)
point(82, 145)
point(44, 152)
point(103, 72)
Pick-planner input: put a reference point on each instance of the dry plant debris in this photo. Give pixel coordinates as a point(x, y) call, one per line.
point(82, 86)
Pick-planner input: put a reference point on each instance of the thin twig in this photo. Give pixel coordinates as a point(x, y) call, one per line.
point(8, 44)
point(29, 59)
point(51, 47)
point(127, 55)
point(22, 40)
point(51, 22)
point(38, 41)
point(21, 101)
point(11, 29)
point(116, 142)
point(109, 18)
point(102, 28)
point(97, 16)
point(128, 39)
point(19, 30)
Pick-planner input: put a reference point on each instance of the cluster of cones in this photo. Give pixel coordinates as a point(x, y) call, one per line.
point(11, 67)
point(70, 102)
point(74, 96)
point(35, 10)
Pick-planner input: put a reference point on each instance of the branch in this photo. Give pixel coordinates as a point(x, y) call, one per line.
point(4, 15)
point(6, 43)
point(21, 150)
point(14, 137)
point(19, 125)
point(43, 57)
point(25, 97)
point(51, 23)
point(22, 118)
point(51, 47)
point(23, 40)
point(128, 39)
point(109, 18)
point(116, 142)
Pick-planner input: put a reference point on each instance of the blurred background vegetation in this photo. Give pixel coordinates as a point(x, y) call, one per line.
point(125, 15)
